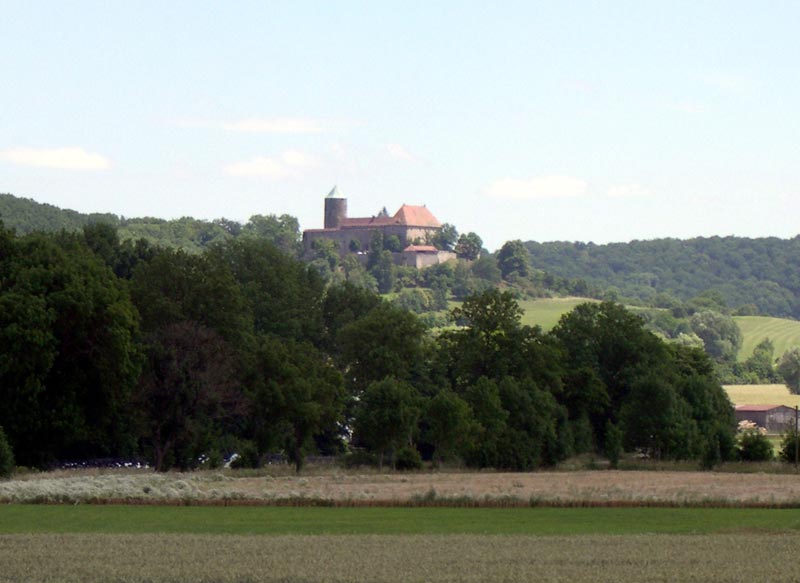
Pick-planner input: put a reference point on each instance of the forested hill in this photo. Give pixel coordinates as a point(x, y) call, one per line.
point(764, 272)
point(25, 215)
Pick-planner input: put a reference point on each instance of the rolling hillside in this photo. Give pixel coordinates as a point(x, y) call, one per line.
point(783, 333)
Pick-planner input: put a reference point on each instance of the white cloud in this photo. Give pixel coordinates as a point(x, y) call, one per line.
point(64, 158)
point(398, 152)
point(289, 164)
point(632, 190)
point(551, 186)
point(273, 125)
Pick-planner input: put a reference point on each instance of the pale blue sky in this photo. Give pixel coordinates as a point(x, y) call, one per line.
point(591, 121)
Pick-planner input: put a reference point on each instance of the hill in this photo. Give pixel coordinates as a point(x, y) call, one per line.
point(761, 395)
point(25, 215)
point(783, 333)
point(763, 272)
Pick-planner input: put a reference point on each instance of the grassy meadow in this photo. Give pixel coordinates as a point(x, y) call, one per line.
point(546, 312)
point(783, 333)
point(761, 395)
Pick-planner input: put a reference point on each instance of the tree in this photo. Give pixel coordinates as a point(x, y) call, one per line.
point(283, 294)
point(469, 246)
point(68, 352)
point(449, 424)
point(513, 257)
point(385, 272)
point(188, 386)
point(445, 238)
point(387, 416)
point(298, 395)
point(282, 231)
point(720, 334)
point(392, 244)
point(760, 364)
point(789, 368)
point(327, 250)
point(386, 342)
point(6, 456)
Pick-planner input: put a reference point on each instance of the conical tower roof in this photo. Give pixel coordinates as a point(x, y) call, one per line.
point(335, 193)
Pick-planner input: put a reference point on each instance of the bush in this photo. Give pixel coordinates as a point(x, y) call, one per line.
point(407, 458)
point(6, 456)
point(789, 445)
point(248, 456)
point(754, 447)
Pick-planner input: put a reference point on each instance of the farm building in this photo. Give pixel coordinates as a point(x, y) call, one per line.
point(775, 418)
point(412, 225)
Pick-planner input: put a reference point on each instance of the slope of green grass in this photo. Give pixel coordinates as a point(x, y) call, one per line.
point(761, 395)
point(783, 333)
point(546, 312)
point(311, 520)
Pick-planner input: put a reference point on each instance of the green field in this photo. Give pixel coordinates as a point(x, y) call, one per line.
point(89, 544)
point(242, 520)
point(783, 333)
point(761, 395)
point(547, 311)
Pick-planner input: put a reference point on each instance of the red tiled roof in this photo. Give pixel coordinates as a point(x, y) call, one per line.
point(416, 216)
point(370, 222)
point(420, 249)
point(755, 408)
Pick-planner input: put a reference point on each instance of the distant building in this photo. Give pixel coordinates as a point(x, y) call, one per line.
point(774, 418)
point(414, 226)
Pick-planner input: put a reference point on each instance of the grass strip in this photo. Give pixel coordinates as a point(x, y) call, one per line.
point(401, 521)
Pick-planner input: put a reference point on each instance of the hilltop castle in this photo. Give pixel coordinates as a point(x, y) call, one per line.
point(413, 225)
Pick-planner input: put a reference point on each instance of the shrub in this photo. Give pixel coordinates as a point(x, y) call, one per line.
point(407, 458)
point(248, 456)
point(789, 445)
point(754, 446)
point(6, 456)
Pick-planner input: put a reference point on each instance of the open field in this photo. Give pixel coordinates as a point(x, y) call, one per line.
point(546, 312)
point(761, 395)
point(304, 520)
point(332, 486)
point(783, 333)
point(743, 557)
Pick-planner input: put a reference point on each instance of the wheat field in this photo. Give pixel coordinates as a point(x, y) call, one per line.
point(736, 557)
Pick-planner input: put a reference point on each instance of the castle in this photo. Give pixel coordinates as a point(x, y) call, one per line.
point(412, 225)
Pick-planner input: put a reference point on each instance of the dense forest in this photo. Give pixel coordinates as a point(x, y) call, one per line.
point(111, 348)
point(763, 274)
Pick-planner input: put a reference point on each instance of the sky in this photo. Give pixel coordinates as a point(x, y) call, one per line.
point(569, 121)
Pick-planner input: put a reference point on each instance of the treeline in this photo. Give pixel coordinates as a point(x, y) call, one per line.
point(112, 348)
point(192, 235)
point(760, 275)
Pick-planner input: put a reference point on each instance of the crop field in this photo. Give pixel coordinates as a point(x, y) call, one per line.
point(761, 395)
point(92, 543)
point(783, 333)
point(742, 557)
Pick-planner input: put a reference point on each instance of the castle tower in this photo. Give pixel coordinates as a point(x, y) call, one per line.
point(335, 209)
